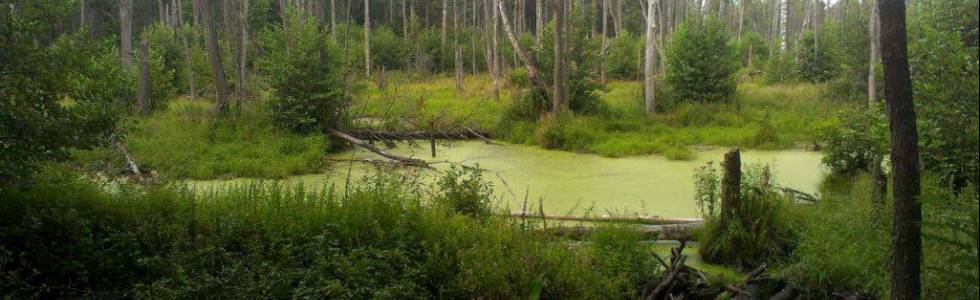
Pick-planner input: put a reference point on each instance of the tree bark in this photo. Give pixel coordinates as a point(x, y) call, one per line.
point(731, 183)
point(143, 95)
point(445, 21)
point(649, 98)
point(367, 38)
point(214, 56)
point(783, 11)
point(539, 19)
point(605, 41)
point(558, 98)
point(906, 229)
point(126, 33)
point(874, 51)
point(494, 65)
point(242, 49)
point(333, 20)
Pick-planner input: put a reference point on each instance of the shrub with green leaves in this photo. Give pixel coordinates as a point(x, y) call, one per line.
point(701, 64)
point(623, 57)
point(751, 49)
point(856, 138)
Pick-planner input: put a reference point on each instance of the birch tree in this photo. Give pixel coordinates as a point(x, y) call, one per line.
point(559, 90)
point(874, 32)
point(783, 10)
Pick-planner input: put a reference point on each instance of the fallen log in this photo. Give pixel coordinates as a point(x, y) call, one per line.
point(676, 232)
point(363, 144)
point(455, 134)
point(632, 220)
point(133, 167)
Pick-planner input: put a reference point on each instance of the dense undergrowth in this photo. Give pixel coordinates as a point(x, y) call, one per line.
point(841, 243)
point(386, 237)
point(185, 140)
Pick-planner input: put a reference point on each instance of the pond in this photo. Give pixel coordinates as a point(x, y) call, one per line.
point(568, 183)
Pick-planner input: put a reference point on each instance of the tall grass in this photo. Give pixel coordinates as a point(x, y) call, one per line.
point(187, 141)
point(387, 237)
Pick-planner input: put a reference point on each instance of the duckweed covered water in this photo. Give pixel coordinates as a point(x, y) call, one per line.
point(572, 183)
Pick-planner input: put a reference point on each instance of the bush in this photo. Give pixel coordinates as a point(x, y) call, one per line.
point(701, 64)
point(751, 47)
point(780, 68)
point(855, 140)
point(623, 57)
point(305, 74)
point(760, 227)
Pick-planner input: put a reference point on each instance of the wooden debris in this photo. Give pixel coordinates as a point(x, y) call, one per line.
point(363, 144)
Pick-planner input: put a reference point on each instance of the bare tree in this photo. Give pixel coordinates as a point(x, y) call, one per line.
point(445, 4)
point(605, 41)
point(214, 56)
point(242, 48)
point(126, 32)
point(333, 20)
point(649, 99)
point(539, 19)
point(367, 38)
point(494, 62)
point(906, 229)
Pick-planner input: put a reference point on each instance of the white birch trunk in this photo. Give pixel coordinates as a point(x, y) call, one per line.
point(648, 69)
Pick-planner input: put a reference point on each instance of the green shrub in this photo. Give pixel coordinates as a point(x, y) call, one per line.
point(623, 57)
point(305, 75)
point(701, 64)
point(465, 192)
point(780, 68)
point(752, 47)
point(854, 140)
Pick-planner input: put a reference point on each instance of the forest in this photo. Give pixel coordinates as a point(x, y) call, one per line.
point(489, 149)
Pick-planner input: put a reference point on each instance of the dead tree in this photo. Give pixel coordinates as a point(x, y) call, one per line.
point(367, 39)
point(649, 98)
point(874, 32)
point(530, 62)
point(906, 230)
point(731, 185)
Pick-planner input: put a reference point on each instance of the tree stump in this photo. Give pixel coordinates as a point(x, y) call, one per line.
point(730, 184)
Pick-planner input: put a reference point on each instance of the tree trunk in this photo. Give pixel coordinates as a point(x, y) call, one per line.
point(539, 19)
point(783, 10)
point(367, 38)
point(605, 41)
point(875, 32)
point(214, 56)
point(445, 7)
point(242, 49)
point(906, 230)
point(533, 71)
point(457, 52)
point(81, 14)
point(559, 89)
point(143, 95)
point(730, 185)
point(333, 20)
point(126, 33)
point(185, 44)
point(494, 60)
point(649, 99)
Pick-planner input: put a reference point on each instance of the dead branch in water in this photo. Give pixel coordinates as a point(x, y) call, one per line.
point(363, 144)
point(633, 220)
point(133, 167)
point(457, 134)
point(676, 232)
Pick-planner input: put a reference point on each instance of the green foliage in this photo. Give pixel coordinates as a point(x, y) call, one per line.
point(623, 56)
point(853, 141)
point(36, 123)
point(465, 192)
point(813, 62)
point(69, 237)
point(387, 49)
point(701, 64)
point(751, 49)
point(166, 61)
point(184, 140)
point(945, 80)
point(305, 75)
point(758, 229)
point(780, 68)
